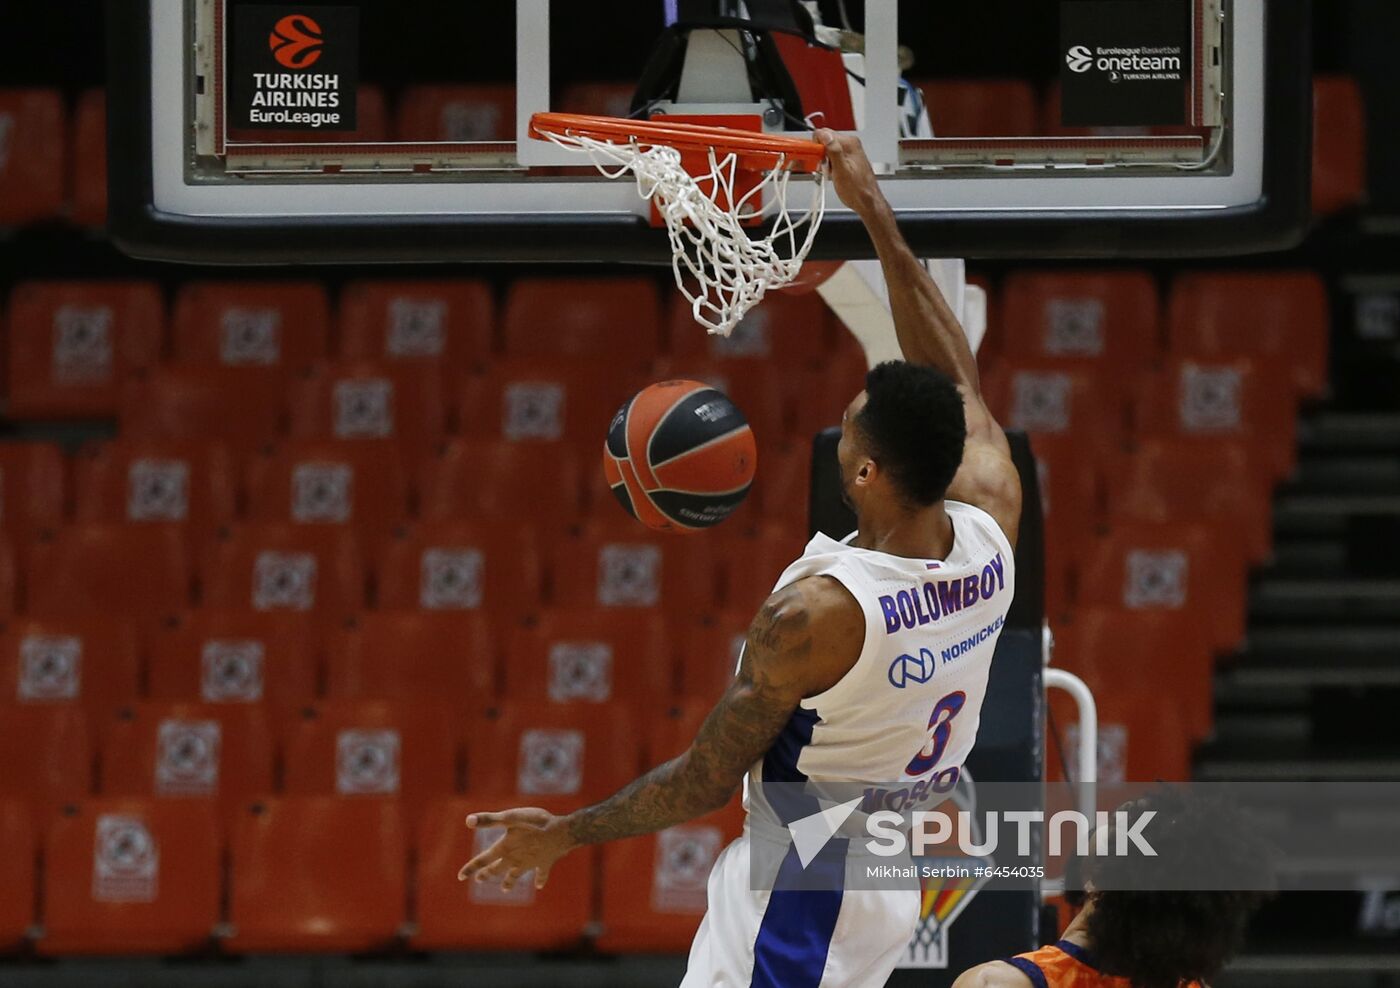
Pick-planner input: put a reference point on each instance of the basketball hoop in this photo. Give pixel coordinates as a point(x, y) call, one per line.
point(707, 184)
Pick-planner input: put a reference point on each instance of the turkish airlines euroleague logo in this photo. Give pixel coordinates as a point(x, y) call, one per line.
point(296, 41)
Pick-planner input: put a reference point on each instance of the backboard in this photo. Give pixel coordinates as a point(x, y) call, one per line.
point(327, 131)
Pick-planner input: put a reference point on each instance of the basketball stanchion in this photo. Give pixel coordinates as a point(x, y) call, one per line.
point(708, 184)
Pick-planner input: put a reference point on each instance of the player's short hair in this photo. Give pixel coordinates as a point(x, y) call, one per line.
point(1162, 939)
point(914, 426)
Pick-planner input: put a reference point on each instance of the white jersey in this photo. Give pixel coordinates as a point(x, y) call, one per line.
point(905, 717)
point(899, 725)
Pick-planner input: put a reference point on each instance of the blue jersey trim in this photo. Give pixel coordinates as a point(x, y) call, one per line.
point(780, 765)
point(1078, 953)
point(800, 920)
point(1029, 969)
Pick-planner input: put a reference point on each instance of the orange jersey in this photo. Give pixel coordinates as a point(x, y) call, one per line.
point(1067, 965)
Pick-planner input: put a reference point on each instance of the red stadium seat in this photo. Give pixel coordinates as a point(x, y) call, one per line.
point(1071, 499)
point(753, 563)
point(33, 148)
point(453, 566)
point(618, 319)
point(1281, 316)
point(330, 484)
point(237, 656)
point(445, 324)
point(1118, 652)
point(89, 661)
point(1105, 322)
point(157, 482)
point(1182, 569)
point(375, 748)
point(709, 653)
point(479, 916)
point(1141, 739)
point(89, 206)
point(1051, 401)
point(222, 752)
point(1202, 480)
point(457, 114)
point(243, 411)
point(18, 888)
point(33, 488)
point(673, 865)
point(590, 657)
point(367, 401)
point(281, 325)
point(414, 657)
point(981, 107)
point(132, 876)
point(296, 568)
point(791, 329)
point(140, 572)
point(70, 344)
point(542, 400)
point(782, 485)
point(584, 752)
point(511, 482)
point(47, 752)
point(1224, 399)
point(622, 565)
point(1339, 145)
point(317, 874)
point(8, 580)
point(603, 99)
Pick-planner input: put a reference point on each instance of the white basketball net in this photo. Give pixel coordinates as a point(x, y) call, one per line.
point(720, 268)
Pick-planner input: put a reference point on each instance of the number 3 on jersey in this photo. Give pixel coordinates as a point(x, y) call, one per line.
point(940, 727)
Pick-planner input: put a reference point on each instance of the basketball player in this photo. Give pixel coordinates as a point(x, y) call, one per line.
point(1142, 938)
point(829, 684)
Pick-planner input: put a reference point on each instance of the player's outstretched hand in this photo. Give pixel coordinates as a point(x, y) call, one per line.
point(533, 841)
point(851, 172)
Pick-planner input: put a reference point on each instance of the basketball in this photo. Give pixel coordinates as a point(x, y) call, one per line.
point(680, 456)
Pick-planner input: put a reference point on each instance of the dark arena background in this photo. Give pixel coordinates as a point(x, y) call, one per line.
point(318, 744)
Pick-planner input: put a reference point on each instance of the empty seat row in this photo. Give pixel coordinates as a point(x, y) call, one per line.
point(150, 574)
point(320, 874)
point(283, 661)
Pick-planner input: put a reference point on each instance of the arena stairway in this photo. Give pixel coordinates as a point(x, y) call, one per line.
point(1312, 694)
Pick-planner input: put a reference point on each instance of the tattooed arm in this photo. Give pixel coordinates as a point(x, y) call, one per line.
point(803, 640)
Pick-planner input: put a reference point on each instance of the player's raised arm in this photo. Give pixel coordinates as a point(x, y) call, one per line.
point(930, 334)
point(803, 640)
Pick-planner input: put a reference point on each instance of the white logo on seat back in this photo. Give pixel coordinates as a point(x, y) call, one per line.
point(322, 493)
point(551, 761)
point(451, 579)
point(158, 490)
point(684, 857)
point(751, 338)
point(534, 410)
point(1210, 399)
point(1112, 755)
point(364, 409)
point(629, 575)
point(125, 860)
point(250, 337)
point(367, 762)
point(83, 349)
point(1074, 326)
point(187, 757)
point(284, 581)
point(417, 327)
point(50, 667)
point(580, 671)
point(1156, 579)
point(1041, 402)
point(231, 671)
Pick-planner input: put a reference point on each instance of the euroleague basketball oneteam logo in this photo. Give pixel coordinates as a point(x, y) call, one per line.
point(296, 41)
point(1080, 59)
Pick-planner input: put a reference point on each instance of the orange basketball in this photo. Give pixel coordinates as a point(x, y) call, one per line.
point(680, 456)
